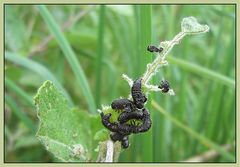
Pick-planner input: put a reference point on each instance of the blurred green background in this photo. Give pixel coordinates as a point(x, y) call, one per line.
point(108, 41)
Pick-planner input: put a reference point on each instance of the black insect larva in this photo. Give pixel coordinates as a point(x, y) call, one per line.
point(152, 48)
point(145, 126)
point(147, 123)
point(164, 85)
point(122, 104)
point(122, 129)
point(116, 136)
point(125, 142)
point(120, 137)
point(138, 97)
point(124, 116)
point(111, 126)
point(131, 111)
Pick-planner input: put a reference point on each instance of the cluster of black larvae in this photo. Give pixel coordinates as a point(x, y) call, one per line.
point(131, 110)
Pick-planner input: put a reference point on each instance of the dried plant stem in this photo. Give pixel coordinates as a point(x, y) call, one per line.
point(208, 155)
point(189, 26)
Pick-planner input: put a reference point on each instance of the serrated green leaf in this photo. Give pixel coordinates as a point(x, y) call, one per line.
point(67, 133)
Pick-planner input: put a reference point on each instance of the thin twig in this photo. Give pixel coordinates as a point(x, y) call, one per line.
point(42, 46)
point(208, 155)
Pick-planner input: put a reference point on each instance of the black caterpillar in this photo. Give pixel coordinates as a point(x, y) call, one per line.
point(132, 110)
point(164, 85)
point(122, 130)
point(123, 104)
point(138, 97)
point(152, 48)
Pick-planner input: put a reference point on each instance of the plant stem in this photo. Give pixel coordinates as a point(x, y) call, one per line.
point(189, 26)
point(100, 55)
point(109, 153)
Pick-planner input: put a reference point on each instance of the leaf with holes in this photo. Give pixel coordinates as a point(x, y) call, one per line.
point(67, 133)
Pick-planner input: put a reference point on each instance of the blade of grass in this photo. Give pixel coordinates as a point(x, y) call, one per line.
point(167, 128)
point(111, 68)
point(117, 33)
point(16, 89)
point(20, 114)
point(100, 54)
point(37, 68)
point(70, 56)
point(204, 102)
point(203, 140)
point(230, 106)
point(126, 37)
point(183, 113)
point(203, 72)
point(220, 92)
point(145, 34)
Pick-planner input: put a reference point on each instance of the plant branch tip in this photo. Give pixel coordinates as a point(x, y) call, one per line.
point(129, 80)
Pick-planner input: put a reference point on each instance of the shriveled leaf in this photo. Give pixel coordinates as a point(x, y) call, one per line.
point(191, 25)
point(67, 133)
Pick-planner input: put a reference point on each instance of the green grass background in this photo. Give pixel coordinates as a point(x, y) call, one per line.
point(86, 59)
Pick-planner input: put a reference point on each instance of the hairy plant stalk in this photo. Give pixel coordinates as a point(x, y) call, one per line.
point(189, 26)
point(160, 59)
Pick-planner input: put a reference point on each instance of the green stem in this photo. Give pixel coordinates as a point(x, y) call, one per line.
point(189, 26)
point(145, 34)
point(100, 53)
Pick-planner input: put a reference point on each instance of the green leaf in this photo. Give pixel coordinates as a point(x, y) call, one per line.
point(101, 135)
point(67, 133)
point(99, 58)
